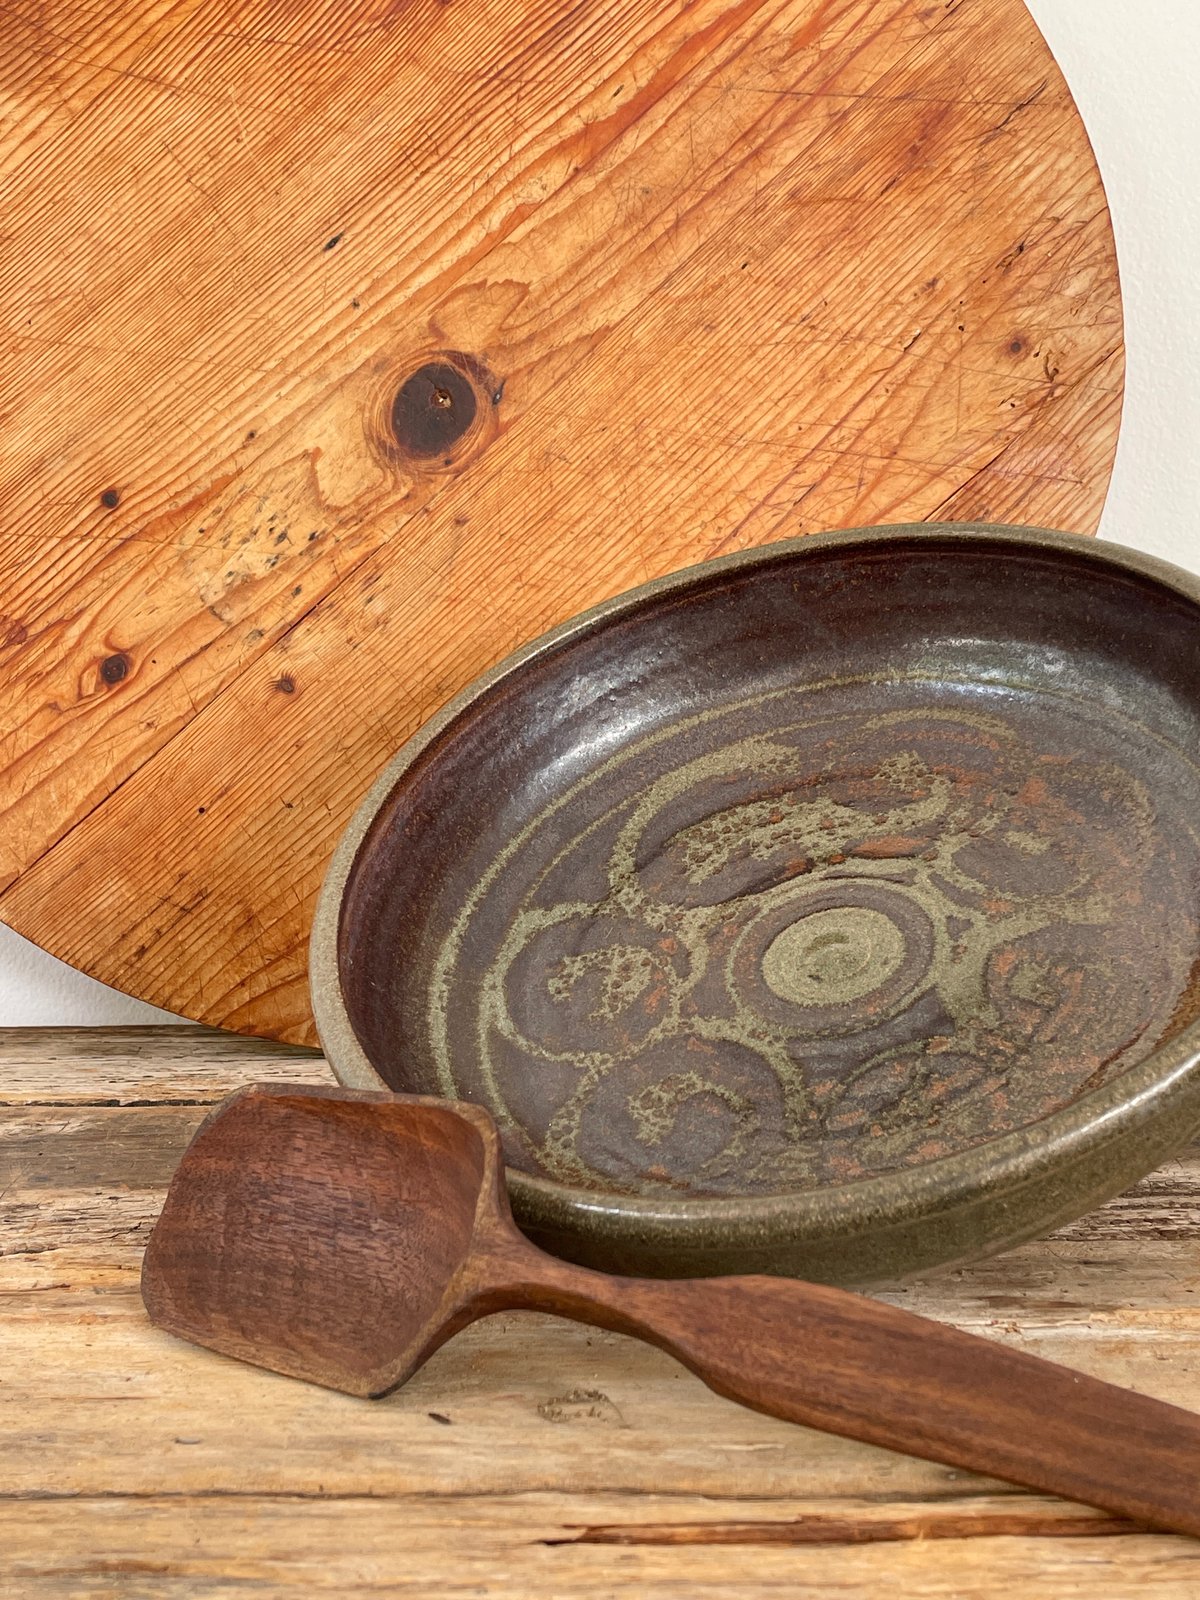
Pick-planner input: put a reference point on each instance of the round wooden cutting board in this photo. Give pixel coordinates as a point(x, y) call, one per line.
point(348, 345)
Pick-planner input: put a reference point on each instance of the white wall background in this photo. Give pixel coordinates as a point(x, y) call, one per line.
point(1133, 66)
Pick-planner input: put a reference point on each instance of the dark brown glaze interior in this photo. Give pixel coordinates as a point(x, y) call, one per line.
point(799, 872)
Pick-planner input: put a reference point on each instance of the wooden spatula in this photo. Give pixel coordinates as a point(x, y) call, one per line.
point(343, 1237)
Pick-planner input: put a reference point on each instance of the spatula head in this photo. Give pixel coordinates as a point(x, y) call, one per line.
point(323, 1234)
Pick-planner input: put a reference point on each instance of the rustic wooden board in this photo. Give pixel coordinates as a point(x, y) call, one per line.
point(715, 273)
point(531, 1457)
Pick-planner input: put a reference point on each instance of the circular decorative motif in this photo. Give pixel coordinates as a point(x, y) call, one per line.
point(833, 957)
point(865, 950)
point(793, 941)
point(578, 984)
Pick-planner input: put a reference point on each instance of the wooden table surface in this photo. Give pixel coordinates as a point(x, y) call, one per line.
point(530, 1457)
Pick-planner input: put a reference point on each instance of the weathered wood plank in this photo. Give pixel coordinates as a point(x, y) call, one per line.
point(163, 1548)
point(530, 1456)
point(142, 1066)
point(520, 1547)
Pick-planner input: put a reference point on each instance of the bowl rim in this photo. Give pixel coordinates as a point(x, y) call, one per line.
point(1020, 1156)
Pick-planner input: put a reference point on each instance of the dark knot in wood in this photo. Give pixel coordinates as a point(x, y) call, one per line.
point(433, 409)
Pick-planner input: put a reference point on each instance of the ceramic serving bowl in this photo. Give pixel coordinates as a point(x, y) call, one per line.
point(831, 909)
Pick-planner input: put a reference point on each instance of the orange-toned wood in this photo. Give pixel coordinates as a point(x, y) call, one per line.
point(713, 273)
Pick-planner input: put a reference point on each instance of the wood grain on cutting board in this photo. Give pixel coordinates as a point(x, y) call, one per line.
point(347, 346)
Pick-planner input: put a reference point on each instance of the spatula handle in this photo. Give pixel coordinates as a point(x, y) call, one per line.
point(853, 1366)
